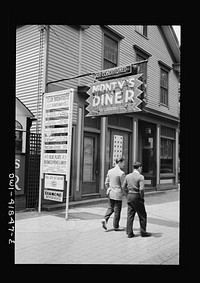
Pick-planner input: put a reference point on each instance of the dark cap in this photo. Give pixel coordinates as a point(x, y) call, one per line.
point(137, 164)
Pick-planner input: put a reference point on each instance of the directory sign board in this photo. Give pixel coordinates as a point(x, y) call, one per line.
point(56, 144)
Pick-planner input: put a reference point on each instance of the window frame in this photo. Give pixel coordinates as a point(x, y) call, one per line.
point(167, 137)
point(165, 68)
point(18, 141)
point(138, 30)
point(114, 37)
point(164, 99)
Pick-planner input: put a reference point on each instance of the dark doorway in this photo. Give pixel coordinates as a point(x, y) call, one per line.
point(90, 173)
point(147, 151)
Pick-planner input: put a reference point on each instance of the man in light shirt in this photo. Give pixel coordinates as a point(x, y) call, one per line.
point(113, 183)
point(133, 187)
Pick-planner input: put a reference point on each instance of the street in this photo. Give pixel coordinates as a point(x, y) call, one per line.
point(48, 238)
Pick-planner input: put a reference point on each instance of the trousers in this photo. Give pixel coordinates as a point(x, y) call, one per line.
point(114, 206)
point(135, 204)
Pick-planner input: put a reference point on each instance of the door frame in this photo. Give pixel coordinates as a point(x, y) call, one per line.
point(96, 163)
point(130, 133)
point(153, 176)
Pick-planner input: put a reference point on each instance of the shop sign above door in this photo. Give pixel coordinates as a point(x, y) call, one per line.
point(116, 96)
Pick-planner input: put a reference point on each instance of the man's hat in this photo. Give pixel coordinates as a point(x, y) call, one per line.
point(137, 164)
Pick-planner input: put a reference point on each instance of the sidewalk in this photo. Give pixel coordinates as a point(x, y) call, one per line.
point(47, 238)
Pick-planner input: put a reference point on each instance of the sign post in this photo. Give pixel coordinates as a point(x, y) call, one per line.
point(56, 146)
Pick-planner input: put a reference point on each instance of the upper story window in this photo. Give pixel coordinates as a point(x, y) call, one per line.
point(164, 83)
point(110, 56)
point(142, 30)
point(18, 136)
point(163, 86)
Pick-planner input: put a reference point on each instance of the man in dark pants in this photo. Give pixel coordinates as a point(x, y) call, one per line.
point(133, 186)
point(113, 183)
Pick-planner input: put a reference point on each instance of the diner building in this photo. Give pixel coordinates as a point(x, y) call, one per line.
point(51, 58)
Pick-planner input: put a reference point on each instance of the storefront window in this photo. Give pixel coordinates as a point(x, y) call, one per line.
point(167, 150)
point(18, 136)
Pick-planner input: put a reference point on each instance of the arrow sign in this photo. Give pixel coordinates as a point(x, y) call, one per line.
point(114, 96)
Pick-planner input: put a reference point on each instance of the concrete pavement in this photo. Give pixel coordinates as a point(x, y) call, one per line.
point(47, 238)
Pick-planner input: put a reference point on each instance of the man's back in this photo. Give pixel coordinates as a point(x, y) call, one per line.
point(115, 178)
point(134, 182)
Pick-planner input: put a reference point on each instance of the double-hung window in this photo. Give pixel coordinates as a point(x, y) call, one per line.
point(110, 56)
point(163, 86)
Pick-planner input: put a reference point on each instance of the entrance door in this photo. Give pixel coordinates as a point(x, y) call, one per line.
point(90, 174)
point(147, 149)
point(118, 145)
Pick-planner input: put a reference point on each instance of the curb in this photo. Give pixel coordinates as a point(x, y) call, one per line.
point(74, 204)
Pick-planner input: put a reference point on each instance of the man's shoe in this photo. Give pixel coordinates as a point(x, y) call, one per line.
point(146, 234)
point(103, 222)
point(131, 235)
point(119, 229)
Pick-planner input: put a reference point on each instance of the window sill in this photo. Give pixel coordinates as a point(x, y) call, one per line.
point(164, 105)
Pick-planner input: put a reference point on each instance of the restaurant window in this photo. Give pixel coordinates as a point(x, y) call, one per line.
point(142, 30)
point(110, 58)
point(167, 150)
point(18, 136)
point(163, 86)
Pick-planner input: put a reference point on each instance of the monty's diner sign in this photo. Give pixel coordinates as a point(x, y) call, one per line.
point(116, 96)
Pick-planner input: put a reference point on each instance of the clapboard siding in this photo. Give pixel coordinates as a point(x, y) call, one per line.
point(156, 46)
point(91, 57)
point(63, 53)
point(65, 60)
point(28, 73)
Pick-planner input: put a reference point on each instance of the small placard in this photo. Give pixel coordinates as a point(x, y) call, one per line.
point(54, 182)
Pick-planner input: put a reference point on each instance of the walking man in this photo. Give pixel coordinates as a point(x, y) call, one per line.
point(113, 183)
point(133, 186)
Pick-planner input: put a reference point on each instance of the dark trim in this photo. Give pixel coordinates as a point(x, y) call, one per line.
point(163, 64)
point(112, 31)
point(160, 114)
point(141, 50)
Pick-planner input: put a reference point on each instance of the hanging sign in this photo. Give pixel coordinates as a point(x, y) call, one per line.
point(114, 96)
point(114, 72)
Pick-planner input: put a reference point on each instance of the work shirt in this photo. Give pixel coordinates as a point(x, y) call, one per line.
point(114, 180)
point(133, 183)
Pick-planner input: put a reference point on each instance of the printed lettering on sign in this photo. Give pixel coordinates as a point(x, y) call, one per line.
point(56, 144)
point(54, 182)
point(19, 174)
point(53, 195)
point(114, 96)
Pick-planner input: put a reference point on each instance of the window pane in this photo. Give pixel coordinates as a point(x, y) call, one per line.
point(108, 65)
point(18, 140)
point(166, 157)
point(88, 172)
point(110, 52)
point(147, 154)
point(141, 29)
point(164, 96)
